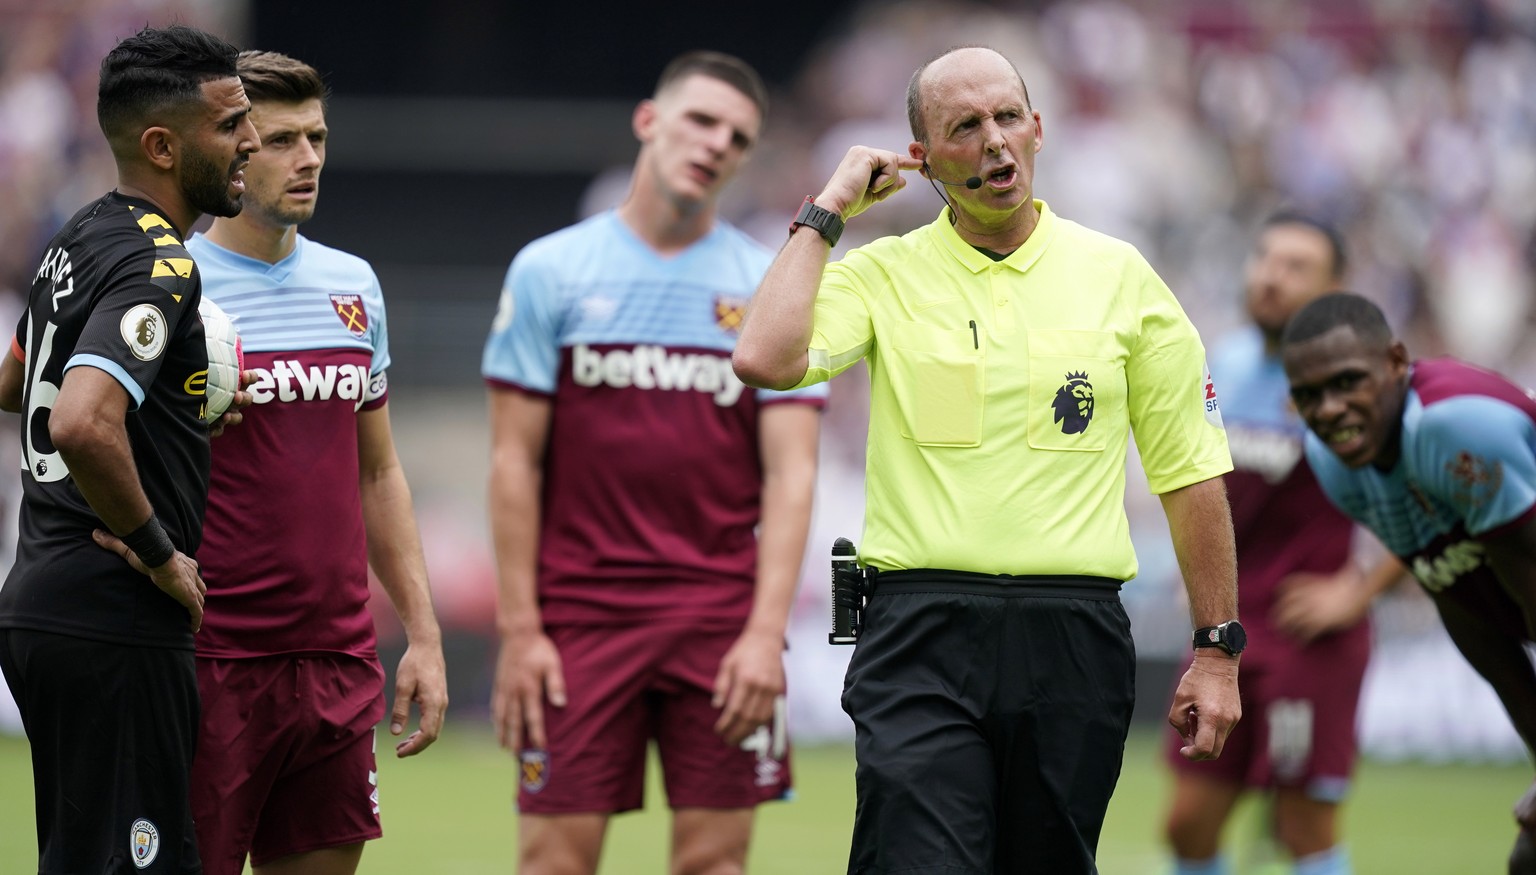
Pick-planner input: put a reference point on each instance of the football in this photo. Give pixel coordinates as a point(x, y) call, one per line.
point(226, 359)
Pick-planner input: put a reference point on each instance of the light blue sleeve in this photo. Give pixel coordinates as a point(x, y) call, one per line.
point(1478, 454)
point(524, 344)
point(378, 325)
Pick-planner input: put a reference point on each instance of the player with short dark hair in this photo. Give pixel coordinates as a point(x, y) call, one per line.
point(106, 370)
point(1438, 458)
point(292, 688)
point(630, 468)
point(1300, 687)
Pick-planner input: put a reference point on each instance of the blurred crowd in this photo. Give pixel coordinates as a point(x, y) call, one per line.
point(1179, 124)
point(1174, 124)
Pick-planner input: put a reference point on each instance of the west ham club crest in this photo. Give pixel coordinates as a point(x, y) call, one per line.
point(349, 309)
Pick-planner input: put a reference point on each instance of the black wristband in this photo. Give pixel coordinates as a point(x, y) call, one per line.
point(150, 543)
point(827, 223)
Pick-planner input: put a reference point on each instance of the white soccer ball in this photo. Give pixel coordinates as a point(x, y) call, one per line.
point(226, 359)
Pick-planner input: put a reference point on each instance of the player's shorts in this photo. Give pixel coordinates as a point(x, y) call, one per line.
point(626, 685)
point(1298, 726)
point(285, 757)
point(112, 729)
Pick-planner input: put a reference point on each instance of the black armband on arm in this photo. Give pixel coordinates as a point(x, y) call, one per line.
point(151, 543)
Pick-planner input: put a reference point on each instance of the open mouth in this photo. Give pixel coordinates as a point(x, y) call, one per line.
point(703, 173)
point(1002, 177)
point(237, 180)
point(1343, 436)
point(303, 189)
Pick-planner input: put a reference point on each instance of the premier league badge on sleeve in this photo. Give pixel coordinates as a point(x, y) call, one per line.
point(1212, 406)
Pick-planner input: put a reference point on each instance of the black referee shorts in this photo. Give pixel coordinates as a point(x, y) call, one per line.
point(991, 720)
point(112, 730)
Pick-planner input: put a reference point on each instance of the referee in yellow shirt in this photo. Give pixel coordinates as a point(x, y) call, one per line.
point(1011, 354)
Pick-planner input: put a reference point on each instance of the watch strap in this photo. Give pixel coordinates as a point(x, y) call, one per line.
point(1208, 636)
point(827, 223)
point(1229, 637)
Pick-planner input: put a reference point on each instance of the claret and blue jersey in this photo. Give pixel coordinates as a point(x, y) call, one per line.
point(634, 351)
point(1467, 472)
point(1282, 521)
point(314, 331)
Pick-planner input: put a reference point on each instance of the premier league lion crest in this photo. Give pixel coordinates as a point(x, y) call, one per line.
point(1074, 403)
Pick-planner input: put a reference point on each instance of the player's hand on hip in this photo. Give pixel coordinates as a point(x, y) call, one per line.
point(865, 177)
point(1206, 705)
point(177, 578)
point(421, 678)
point(527, 672)
point(751, 676)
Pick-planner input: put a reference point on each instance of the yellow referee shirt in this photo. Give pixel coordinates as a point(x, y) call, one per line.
point(1003, 394)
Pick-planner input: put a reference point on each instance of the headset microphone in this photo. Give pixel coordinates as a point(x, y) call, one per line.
point(973, 183)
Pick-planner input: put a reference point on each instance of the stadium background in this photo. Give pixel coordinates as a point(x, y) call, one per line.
point(461, 130)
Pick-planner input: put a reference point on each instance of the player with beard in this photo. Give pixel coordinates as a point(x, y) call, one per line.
point(96, 644)
point(1438, 458)
point(1300, 686)
point(287, 662)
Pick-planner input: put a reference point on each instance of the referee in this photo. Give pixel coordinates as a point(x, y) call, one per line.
point(1012, 353)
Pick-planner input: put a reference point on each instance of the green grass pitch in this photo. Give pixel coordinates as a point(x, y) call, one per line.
point(449, 812)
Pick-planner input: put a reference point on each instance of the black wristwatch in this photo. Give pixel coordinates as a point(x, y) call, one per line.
point(1229, 636)
point(827, 223)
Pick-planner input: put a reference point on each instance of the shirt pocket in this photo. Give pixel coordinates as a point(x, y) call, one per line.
point(938, 377)
point(1076, 390)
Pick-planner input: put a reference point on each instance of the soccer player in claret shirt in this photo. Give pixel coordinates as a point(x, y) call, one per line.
point(1438, 458)
point(1300, 688)
point(99, 657)
point(630, 469)
point(304, 500)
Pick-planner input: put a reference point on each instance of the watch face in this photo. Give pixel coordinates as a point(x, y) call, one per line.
point(1236, 637)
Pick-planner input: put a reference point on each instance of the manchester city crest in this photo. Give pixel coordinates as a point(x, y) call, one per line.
point(143, 843)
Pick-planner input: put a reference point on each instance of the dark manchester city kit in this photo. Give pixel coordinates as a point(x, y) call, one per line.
point(117, 292)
